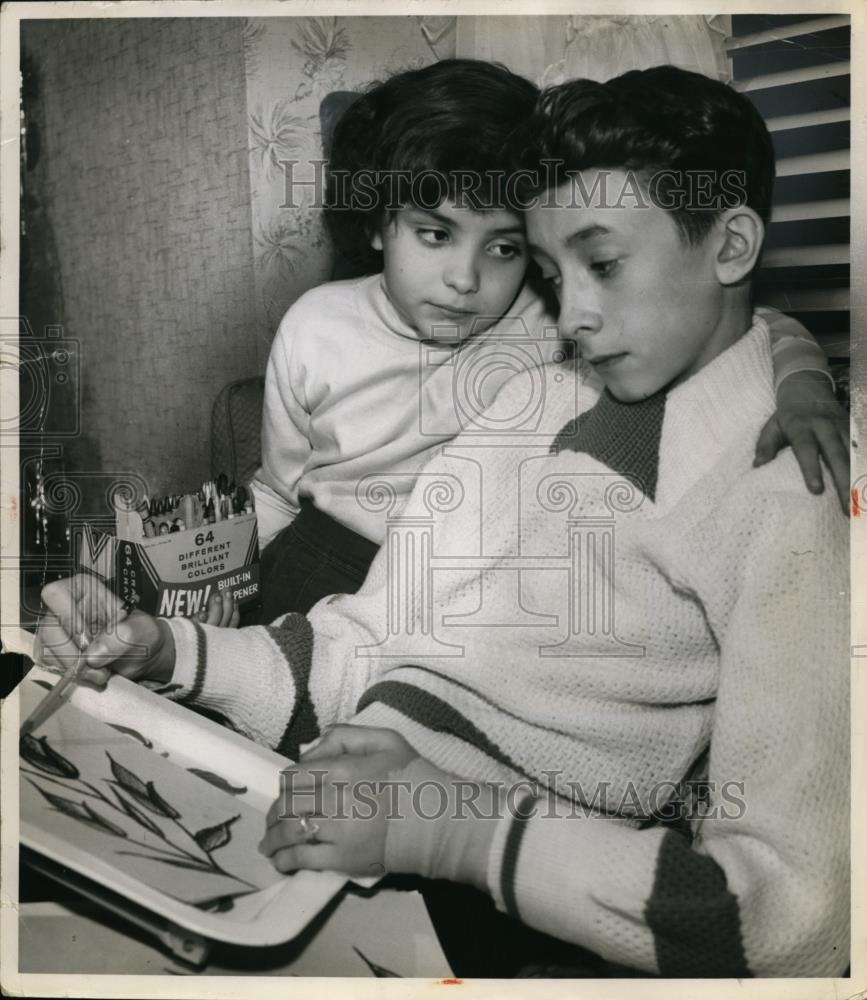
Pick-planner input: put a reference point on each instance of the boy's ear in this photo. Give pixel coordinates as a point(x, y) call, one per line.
point(376, 239)
point(741, 233)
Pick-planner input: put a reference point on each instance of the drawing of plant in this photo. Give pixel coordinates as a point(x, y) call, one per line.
point(134, 733)
point(277, 241)
point(252, 35)
point(218, 781)
point(135, 799)
point(320, 40)
point(276, 134)
point(379, 971)
point(324, 43)
point(44, 757)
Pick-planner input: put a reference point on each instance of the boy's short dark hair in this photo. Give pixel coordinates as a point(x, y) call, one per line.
point(697, 145)
point(415, 139)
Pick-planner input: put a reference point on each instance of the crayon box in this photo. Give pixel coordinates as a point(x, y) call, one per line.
point(174, 575)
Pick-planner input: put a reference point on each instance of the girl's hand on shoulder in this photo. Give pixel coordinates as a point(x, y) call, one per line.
point(810, 421)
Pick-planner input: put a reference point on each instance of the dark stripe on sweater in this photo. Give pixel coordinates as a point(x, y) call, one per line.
point(201, 660)
point(294, 638)
point(439, 716)
point(511, 850)
point(624, 436)
point(694, 918)
point(435, 714)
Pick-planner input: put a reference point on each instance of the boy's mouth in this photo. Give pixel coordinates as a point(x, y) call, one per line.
point(452, 311)
point(602, 362)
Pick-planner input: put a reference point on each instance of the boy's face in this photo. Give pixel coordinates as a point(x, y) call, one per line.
point(644, 306)
point(451, 272)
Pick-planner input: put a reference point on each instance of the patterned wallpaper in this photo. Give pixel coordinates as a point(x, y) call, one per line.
point(291, 65)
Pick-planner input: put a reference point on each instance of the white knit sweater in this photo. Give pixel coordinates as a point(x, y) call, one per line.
point(350, 391)
point(709, 609)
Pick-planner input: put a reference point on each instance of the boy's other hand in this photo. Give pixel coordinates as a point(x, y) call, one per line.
point(84, 615)
point(221, 611)
point(335, 788)
point(816, 426)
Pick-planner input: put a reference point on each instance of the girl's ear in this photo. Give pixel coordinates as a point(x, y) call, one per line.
point(741, 235)
point(376, 240)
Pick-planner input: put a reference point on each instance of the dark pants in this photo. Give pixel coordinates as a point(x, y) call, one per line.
point(481, 942)
point(311, 558)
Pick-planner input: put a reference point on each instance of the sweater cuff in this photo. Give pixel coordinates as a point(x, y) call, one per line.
point(410, 839)
point(792, 355)
point(239, 673)
point(183, 687)
point(438, 831)
point(779, 379)
point(505, 851)
point(583, 879)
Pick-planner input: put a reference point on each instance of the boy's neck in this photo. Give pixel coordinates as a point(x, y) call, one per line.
point(735, 319)
point(736, 315)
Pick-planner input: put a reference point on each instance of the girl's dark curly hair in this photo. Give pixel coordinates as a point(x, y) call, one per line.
point(415, 139)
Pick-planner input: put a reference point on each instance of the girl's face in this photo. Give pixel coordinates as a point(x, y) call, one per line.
point(452, 272)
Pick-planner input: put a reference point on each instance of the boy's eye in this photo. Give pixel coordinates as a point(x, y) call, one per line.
point(505, 251)
point(551, 279)
point(432, 236)
point(605, 268)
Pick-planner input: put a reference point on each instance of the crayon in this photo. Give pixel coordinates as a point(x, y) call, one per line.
point(189, 510)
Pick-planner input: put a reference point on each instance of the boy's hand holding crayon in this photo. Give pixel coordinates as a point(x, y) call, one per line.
point(83, 614)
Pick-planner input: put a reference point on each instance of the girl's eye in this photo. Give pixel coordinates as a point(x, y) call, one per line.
point(551, 279)
point(605, 268)
point(434, 237)
point(505, 251)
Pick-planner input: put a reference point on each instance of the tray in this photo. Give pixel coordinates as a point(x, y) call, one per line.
point(179, 737)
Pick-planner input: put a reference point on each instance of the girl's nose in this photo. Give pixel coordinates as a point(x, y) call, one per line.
point(462, 275)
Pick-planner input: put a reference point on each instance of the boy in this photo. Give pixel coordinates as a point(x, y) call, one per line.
point(658, 300)
point(729, 643)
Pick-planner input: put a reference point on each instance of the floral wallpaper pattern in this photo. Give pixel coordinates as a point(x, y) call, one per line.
point(291, 65)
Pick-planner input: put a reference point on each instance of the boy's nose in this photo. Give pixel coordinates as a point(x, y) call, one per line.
point(580, 316)
point(462, 275)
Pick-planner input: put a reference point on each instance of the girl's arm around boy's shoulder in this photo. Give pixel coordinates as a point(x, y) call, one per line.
point(793, 348)
point(808, 418)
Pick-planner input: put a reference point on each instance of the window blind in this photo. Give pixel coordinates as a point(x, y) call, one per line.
point(795, 69)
